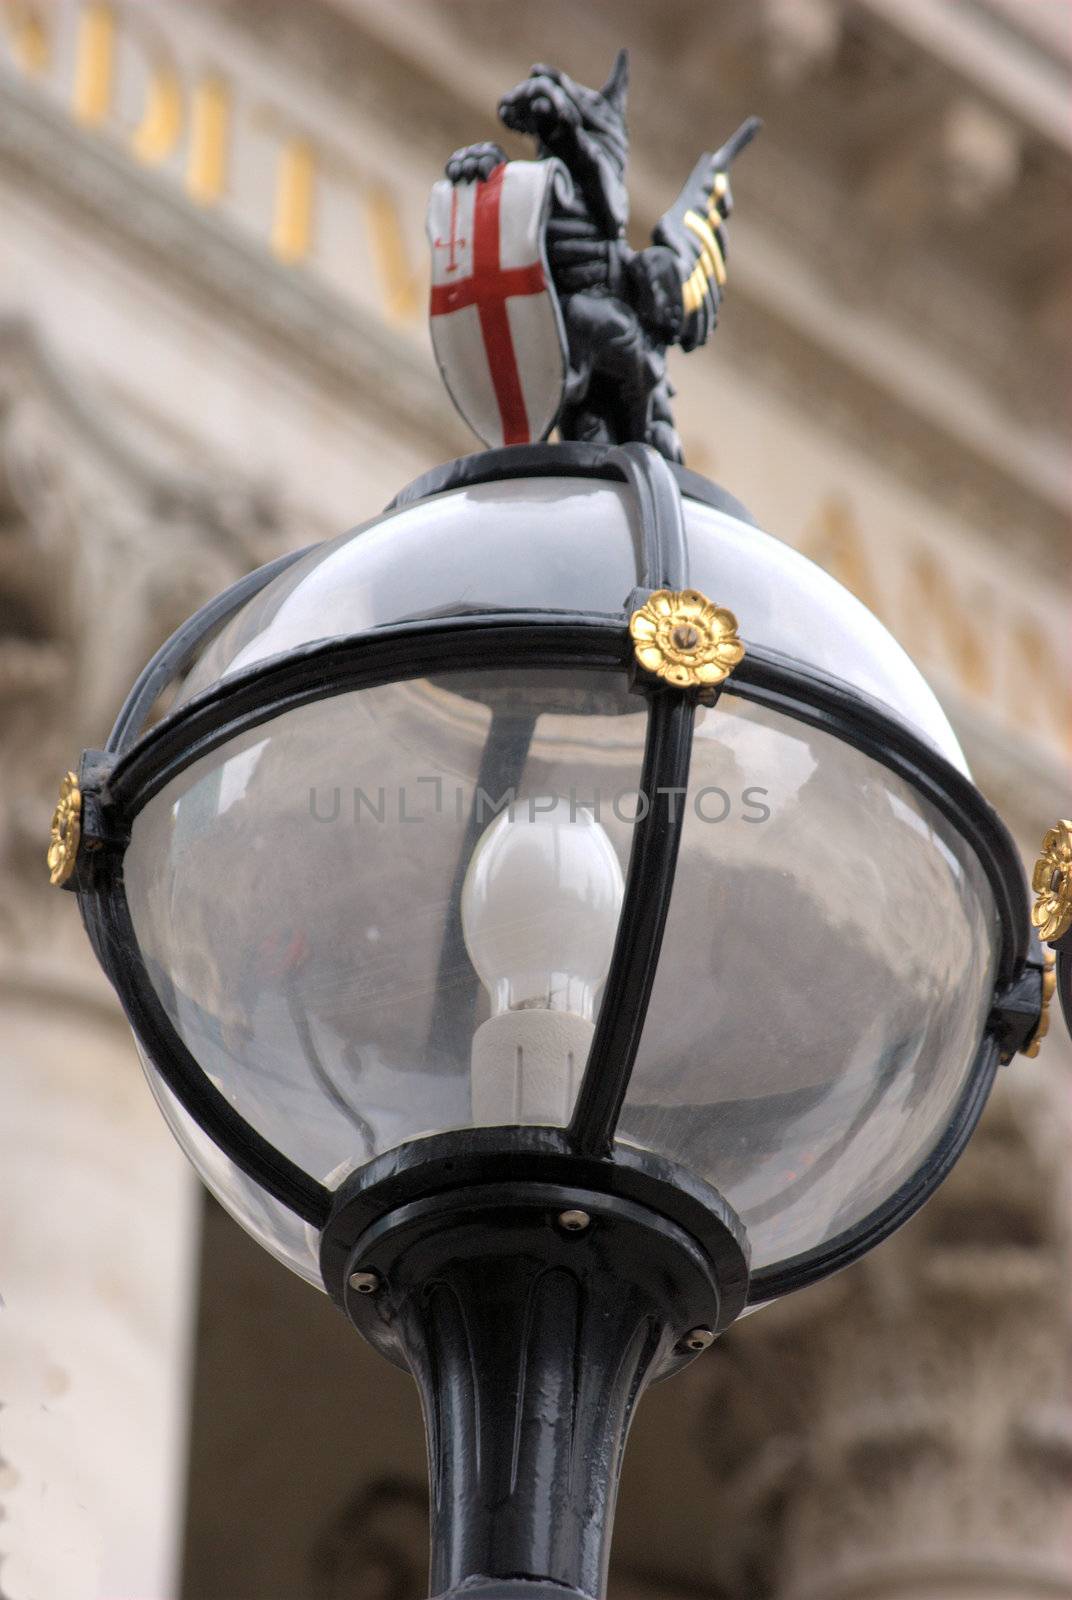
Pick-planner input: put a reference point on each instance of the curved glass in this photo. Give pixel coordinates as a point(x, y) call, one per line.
point(823, 985)
point(297, 897)
point(567, 544)
point(271, 1223)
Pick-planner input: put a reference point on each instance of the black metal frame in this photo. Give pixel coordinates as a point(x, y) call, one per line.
point(135, 768)
point(531, 1342)
point(1064, 984)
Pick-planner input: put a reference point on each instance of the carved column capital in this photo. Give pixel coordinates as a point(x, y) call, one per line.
point(905, 1433)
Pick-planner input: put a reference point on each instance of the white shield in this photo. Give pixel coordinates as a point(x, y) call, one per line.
point(496, 323)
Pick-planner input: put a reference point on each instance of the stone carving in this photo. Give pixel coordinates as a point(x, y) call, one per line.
point(906, 1430)
point(103, 551)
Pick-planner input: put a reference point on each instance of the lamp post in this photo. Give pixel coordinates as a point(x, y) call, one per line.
point(556, 916)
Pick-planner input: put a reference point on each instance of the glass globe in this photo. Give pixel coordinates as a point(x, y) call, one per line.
point(389, 912)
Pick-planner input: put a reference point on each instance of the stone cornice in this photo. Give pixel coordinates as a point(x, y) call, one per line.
point(961, 390)
point(316, 328)
point(922, 351)
point(974, 43)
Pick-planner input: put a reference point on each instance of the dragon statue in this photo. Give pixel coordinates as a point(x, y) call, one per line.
point(575, 323)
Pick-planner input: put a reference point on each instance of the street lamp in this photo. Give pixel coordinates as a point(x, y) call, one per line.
point(542, 960)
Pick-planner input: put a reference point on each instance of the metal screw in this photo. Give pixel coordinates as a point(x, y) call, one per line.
point(573, 1221)
point(365, 1282)
point(699, 1339)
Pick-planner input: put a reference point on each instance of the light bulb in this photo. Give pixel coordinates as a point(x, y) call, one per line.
point(539, 909)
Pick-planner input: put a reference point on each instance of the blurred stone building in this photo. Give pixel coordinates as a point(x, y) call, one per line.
point(212, 348)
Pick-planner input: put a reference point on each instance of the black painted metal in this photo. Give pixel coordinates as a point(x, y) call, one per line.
point(525, 640)
point(620, 308)
point(518, 1590)
point(1064, 985)
point(665, 553)
point(531, 1346)
point(1014, 1016)
point(330, 667)
point(248, 699)
point(645, 907)
point(574, 459)
point(479, 1157)
point(176, 653)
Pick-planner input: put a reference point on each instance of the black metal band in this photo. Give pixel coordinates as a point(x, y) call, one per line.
point(573, 459)
point(176, 653)
point(543, 639)
point(649, 885)
point(1064, 985)
point(664, 562)
point(522, 640)
point(360, 661)
point(111, 928)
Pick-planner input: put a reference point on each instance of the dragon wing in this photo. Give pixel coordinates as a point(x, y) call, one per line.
point(693, 229)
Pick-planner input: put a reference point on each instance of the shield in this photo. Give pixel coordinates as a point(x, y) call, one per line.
point(496, 323)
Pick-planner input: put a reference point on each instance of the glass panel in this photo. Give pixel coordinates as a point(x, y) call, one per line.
point(298, 899)
point(823, 986)
point(273, 1225)
point(567, 544)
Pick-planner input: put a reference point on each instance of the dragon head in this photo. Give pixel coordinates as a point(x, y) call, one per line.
point(550, 106)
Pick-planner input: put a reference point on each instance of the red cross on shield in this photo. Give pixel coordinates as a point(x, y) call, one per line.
point(496, 323)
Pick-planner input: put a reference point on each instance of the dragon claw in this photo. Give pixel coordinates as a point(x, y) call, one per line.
point(475, 161)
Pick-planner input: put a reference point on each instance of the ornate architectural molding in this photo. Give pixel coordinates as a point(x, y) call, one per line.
point(926, 326)
point(907, 1433)
point(209, 258)
point(105, 546)
point(924, 319)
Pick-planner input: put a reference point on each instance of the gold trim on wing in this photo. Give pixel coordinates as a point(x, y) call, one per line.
point(711, 251)
point(694, 289)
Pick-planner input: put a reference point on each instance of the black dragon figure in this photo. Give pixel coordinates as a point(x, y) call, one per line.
point(621, 308)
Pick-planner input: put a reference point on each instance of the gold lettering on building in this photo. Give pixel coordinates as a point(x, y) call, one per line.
point(158, 133)
point(294, 214)
point(400, 284)
point(932, 611)
point(1042, 699)
point(950, 623)
point(210, 140)
point(94, 72)
point(834, 539)
point(28, 34)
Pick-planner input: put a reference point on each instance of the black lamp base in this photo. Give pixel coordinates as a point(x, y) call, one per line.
point(520, 1590)
point(533, 1316)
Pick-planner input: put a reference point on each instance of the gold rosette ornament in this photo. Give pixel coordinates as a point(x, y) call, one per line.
point(680, 635)
point(1052, 883)
point(66, 831)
